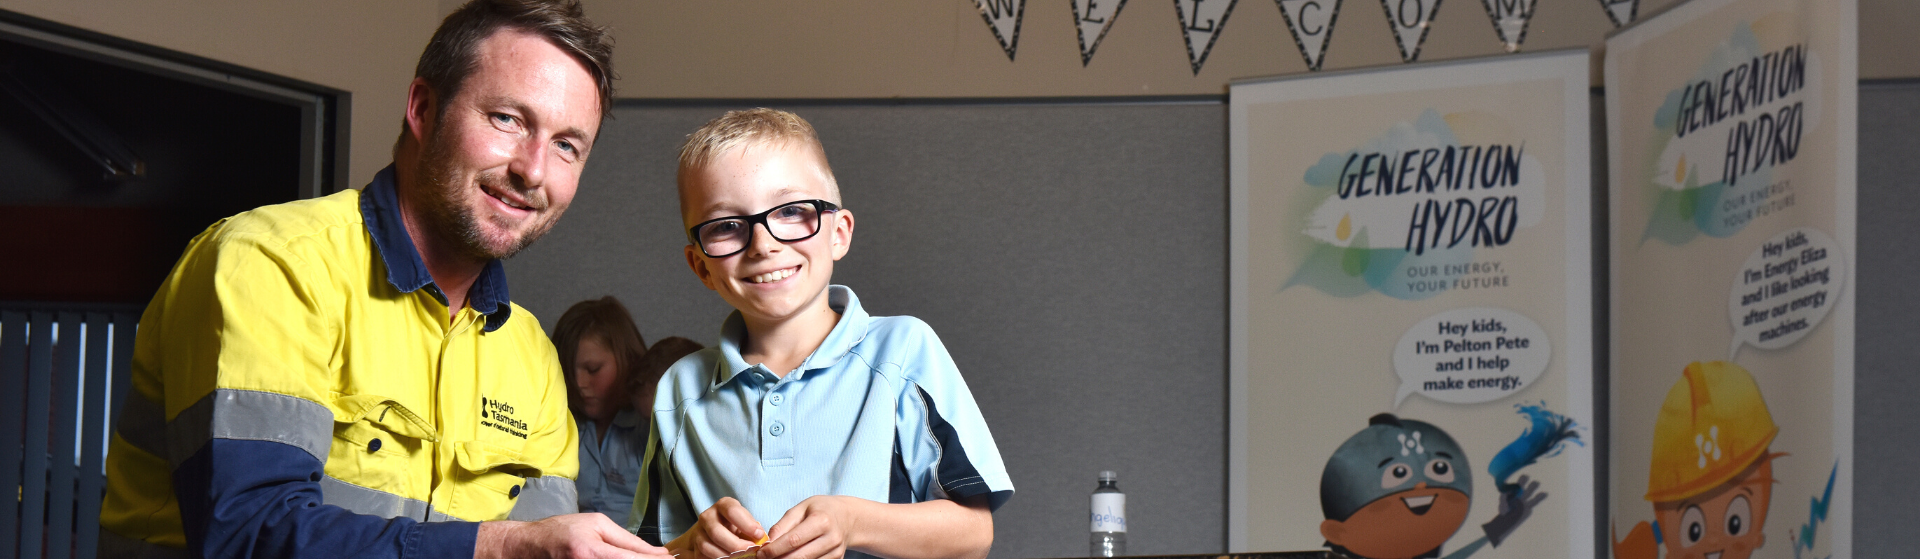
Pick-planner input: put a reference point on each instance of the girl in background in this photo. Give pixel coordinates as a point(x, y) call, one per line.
point(600, 350)
point(658, 359)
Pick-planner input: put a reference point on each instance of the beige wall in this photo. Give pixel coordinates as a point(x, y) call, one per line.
point(847, 48)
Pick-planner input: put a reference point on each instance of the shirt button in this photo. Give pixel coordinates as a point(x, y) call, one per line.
point(373, 446)
point(775, 399)
point(515, 492)
point(777, 429)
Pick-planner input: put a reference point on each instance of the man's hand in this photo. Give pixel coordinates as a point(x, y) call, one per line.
point(585, 535)
point(724, 528)
point(817, 528)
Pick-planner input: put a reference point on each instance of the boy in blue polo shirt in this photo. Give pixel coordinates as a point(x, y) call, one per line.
point(852, 434)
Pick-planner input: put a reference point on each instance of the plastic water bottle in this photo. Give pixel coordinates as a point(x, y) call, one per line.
point(1109, 512)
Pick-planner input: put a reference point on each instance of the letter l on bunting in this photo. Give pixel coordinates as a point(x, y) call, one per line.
point(1003, 17)
point(1201, 21)
point(1311, 22)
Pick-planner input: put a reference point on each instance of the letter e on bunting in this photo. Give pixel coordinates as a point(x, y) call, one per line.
point(1003, 17)
point(1092, 18)
point(1510, 20)
point(1621, 12)
point(1410, 20)
point(1201, 22)
point(1311, 22)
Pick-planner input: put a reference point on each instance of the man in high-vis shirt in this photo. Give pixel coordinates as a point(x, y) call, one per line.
point(346, 376)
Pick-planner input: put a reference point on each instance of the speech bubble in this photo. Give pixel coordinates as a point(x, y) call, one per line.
point(1785, 289)
point(1470, 356)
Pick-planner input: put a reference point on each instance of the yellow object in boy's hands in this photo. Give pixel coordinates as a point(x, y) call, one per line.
point(762, 541)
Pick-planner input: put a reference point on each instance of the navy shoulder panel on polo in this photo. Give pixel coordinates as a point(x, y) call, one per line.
point(380, 209)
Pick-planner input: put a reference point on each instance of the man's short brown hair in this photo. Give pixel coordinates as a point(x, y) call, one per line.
point(453, 54)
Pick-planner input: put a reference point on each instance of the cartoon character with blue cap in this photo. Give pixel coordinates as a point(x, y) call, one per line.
point(1400, 488)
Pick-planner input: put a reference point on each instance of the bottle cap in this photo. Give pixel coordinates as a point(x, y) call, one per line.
point(1108, 475)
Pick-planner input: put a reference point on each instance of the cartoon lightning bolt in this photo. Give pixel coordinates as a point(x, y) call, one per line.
point(1803, 540)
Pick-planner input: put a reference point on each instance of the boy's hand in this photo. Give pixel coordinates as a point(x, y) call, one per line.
point(583, 535)
point(722, 529)
point(817, 528)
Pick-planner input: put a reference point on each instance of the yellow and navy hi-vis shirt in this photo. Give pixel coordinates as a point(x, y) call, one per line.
point(298, 391)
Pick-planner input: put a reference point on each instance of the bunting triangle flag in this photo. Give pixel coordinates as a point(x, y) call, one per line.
point(1410, 20)
point(1510, 19)
point(1311, 22)
point(1003, 17)
point(1092, 18)
point(1202, 21)
point(1621, 12)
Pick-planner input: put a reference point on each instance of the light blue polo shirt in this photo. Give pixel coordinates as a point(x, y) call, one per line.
point(878, 412)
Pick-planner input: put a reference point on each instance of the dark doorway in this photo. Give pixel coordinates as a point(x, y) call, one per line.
point(114, 154)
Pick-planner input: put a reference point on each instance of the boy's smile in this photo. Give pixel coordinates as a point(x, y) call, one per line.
point(770, 282)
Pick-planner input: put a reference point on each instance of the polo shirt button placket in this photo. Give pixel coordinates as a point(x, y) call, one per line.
point(777, 429)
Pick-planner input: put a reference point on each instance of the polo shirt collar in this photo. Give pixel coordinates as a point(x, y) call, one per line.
point(847, 333)
point(627, 418)
point(380, 209)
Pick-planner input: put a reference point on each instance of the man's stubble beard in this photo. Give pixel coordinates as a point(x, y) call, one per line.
point(453, 221)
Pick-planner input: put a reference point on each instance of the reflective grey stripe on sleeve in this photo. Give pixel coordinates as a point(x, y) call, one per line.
point(545, 496)
point(437, 516)
point(361, 500)
point(142, 424)
point(250, 415)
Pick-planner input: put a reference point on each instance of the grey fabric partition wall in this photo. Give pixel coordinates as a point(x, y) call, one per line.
point(1071, 257)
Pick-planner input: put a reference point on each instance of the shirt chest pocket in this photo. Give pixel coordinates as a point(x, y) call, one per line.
point(379, 444)
point(488, 481)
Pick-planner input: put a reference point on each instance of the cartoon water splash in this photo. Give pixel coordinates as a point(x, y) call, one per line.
point(1546, 435)
point(1803, 538)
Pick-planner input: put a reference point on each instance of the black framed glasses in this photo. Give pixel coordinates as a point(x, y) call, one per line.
point(789, 222)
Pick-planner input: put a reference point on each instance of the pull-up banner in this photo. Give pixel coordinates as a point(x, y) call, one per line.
point(1410, 321)
point(1731, 141)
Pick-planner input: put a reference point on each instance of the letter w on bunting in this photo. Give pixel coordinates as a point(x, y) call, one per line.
point(1003, 17)
point(1410, 20)
point(1510, 19)
point(1202, 21)
point(1311, 22)
point(1092, 19)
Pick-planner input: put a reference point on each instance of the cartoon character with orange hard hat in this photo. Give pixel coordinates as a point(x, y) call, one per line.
point(1712, 476)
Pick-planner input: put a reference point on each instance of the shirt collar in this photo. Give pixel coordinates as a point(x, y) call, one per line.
point(380, 209)
point(849, 331)
point(627, 418)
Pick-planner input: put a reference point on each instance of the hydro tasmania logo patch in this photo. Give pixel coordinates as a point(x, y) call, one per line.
point(499, 415)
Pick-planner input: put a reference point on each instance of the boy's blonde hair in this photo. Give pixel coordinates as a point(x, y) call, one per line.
point(748, 128)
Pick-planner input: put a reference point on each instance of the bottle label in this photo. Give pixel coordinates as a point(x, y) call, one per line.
point(1109, 512)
